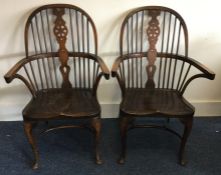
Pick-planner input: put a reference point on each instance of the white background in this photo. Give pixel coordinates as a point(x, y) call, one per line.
point(202, 19)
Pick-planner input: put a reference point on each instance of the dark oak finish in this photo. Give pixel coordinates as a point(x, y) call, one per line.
point(154, 70)
point(61, 70)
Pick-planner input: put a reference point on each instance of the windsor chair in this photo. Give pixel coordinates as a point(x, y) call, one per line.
point(61, 70)
point(154, 70)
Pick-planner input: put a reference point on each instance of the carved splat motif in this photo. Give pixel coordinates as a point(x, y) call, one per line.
point(153, 32)
point(61, 31)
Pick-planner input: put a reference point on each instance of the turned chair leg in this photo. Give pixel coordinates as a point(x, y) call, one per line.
point(96, 124)
point(28, 126)
point(187, 129)
point(124, 123)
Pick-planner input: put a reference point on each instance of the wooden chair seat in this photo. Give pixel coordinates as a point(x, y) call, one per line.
point(157, 102)
point(53, 103)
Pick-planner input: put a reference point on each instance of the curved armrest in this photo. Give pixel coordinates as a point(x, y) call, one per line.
point(206, 72)
point(105, 70)
point(11, 74)
point(114, 72)
point(209, 73)
point(115, 66)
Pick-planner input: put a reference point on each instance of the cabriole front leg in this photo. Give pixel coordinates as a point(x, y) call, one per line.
point(28, 126)
point(96, 125)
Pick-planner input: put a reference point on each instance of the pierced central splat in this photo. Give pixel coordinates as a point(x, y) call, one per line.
point(61, 31)
point(153, 32)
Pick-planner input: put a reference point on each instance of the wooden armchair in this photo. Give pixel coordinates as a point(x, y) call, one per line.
point(154, 70)
point(61, 70)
